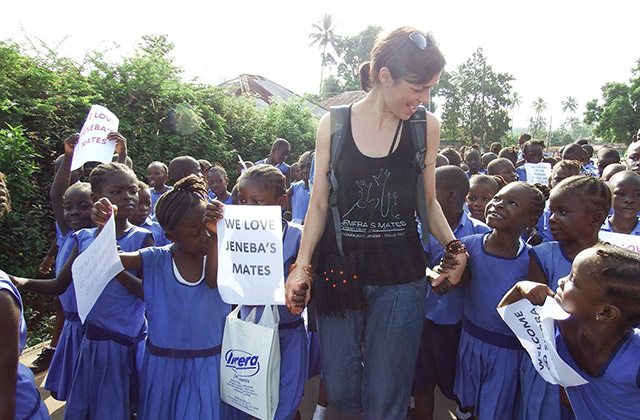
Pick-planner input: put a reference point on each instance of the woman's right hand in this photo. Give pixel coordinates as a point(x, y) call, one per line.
point(297, 290)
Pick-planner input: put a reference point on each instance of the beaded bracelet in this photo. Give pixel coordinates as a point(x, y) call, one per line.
point(456, 247)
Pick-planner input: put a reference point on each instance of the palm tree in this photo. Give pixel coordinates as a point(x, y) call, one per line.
point(539, 106)
point(515, 102)
point(570, 104)
point(324, 36)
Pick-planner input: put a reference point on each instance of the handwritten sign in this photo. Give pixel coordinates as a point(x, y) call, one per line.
point(538, 172)
point(250, 265)
point(95, 267)
point(93, 145)
point(533, 325)
point(631, 242)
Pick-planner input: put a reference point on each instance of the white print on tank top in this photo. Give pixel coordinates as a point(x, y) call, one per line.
point(374, 193)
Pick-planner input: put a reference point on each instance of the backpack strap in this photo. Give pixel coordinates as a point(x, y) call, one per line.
point(418, 134)
point(340, 124)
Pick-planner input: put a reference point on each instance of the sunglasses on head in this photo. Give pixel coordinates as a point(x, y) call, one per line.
point(420, 40)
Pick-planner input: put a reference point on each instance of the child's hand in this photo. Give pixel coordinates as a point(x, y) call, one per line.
point(70, 143)
point(121, 142)
point(101, 211)
point(444, 287)
point(45, 265)
point(448, 262)
point(298, 288)
point(17, 281)
point(535, 292)
point(454, 275)
point(212, 215)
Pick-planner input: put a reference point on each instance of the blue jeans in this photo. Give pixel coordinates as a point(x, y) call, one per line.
point(369, 357)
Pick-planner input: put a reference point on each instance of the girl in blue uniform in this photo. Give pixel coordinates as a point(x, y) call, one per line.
point(186, 316)
point(157, 175)
point(104, 384)
point(217, 181)
point(19, 397)
point(489, 354)
point(300, 192)
point(72, 210)
point(264, 185)
point(599, 339)
point(625, 187)
point(578, 205)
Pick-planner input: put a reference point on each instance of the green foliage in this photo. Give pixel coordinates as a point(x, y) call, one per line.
point(292, 122)
point(477, 102)
point(617, 117)
point(352, 52)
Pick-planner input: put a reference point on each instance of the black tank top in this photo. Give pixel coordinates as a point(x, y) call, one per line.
point(392, 248)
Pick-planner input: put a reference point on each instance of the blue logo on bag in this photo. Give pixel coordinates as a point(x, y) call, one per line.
point(242, 363)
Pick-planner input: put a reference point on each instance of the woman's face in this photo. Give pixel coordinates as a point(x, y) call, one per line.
point(403, 97)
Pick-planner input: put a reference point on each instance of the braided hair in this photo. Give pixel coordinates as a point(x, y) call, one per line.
point(185, 195)
point(268, 176)
point(592, 191)
point(100, 172)
point(620, 279)
point(217, 167)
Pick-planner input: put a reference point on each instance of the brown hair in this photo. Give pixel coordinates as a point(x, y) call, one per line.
point(403, 59)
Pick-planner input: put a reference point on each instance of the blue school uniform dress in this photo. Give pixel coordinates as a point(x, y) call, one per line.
point(293, 336)
point(545, 231)
point(154, 198)
point(300, 197)
point(521, 172)
point(606, 227)
point(29, 406)
point(441, 334)
point(284, 168)
point(539, 399)
point(105, 383)
point(489, 354)
point(614, 393)
point(63, 362)
point(181, 367)
point(152, 225)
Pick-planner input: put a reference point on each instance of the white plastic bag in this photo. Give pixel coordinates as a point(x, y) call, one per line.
point(250, 363)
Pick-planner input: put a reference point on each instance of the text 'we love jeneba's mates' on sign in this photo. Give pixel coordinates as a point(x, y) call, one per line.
point(93, 145)
point(250, 266)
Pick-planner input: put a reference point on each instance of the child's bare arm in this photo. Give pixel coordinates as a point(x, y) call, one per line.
point(9, 353)
point(55, 286)
point(535, 292)
point(121, 146)
point(47, 261)
point(210, 220)
point(61, 182)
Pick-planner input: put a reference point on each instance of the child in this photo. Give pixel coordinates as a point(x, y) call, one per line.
point(264, 185)
point(295, 173)
point(489, 354)
point(472, 159)
point(157, 175)
point(111, 352)
point(607, 156)
point(510, 153)
point(611, 170)
point(633, 157)
point(625, 187)
point(19, 397)
point(579, 205)
point(143, 218)
point(599, 339)
point(531, 153)
point(452, 156)
point(481, 189)
point(280, 149)
point(299, 193)
point(72, 210)
point(502, 167)
point(441, 331)
point(218, 180)
point(486, 159)
point(186, 315)
point(182, 167)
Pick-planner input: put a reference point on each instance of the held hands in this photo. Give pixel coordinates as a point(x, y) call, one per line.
point(451, 269)
point(101, 211)
point(298, 288)
point(212, 214)
point(70, 143)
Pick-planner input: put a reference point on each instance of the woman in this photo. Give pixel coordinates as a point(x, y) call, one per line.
point(376, 202)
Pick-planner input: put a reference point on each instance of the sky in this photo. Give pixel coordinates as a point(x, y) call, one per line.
point(553, 49)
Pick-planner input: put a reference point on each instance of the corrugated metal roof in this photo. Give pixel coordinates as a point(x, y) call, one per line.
point(344, 98)
point(265, 91)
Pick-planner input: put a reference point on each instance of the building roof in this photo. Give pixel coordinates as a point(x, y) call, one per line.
point(265, 92)
point(344, 98)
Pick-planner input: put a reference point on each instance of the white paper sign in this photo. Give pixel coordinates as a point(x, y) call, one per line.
point(250, 264)
point(93, 145)
point(631, 242)
point(538, 172)
point(95, 267)
point(533, 325)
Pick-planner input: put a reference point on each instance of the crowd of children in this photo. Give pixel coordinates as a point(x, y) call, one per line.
point(151, 344)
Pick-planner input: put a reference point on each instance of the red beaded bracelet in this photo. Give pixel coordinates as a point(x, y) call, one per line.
point(456, 247)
